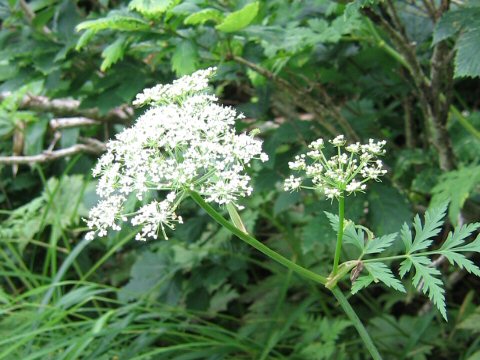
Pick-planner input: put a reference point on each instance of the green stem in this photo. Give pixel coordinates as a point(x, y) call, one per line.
point(293, 267)
point(338, 248)
point(464, 122)
point(255, 243)
point(342, 300)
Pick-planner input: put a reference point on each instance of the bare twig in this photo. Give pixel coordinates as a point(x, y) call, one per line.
point(71, 107)
point(92, 146)
point(63, 123)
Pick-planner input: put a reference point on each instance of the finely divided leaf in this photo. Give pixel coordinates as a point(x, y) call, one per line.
point(377, 245)
point(333, 220)
point(474, 246)
point(431, 228)
point(457, 237)
point(350, 234)
point(405, 267)
point(361, 282)
point(377, 272)
point(461, 261)
point(113, 53)
point(406, 236)
point(382, 272)
point(431, 285)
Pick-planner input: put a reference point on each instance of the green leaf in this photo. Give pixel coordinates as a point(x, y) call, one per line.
point(220, 300)
point(454, 21)
point(350, 233)
point(388, 208)
point(85, 38)
point(377, 245)
point(433, 225)
point(239, 19)
point(201, 17)
point(406, 236)
point(456, 186)
point(381, 272)
point(113, 52)
point(355, 6)
point(467, 61)
point(151, 8)
point(431, 285)
point(284, 201)
point(185, 58)
point(361, 282)
point(457, 237)
point(462, 262)
point(116, 20)
point(405, 267)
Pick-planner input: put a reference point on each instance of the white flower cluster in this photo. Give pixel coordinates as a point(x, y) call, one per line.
point(185, 142)
point(345, 171)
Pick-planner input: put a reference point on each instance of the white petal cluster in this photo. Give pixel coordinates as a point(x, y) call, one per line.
point(347, 171)
point(186, 141)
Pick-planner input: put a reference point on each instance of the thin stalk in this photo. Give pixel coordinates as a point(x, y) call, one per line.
point(338, 248)
point(250, 240)
point(294, 267)
point(362, 331)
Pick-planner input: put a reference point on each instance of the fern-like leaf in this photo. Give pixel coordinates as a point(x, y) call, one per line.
point(431, 285)
point(377, 245)
point(432, 226)
point(378, 272)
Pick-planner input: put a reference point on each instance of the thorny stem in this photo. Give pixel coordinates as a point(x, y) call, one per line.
point(338, 248)
point(250, 240)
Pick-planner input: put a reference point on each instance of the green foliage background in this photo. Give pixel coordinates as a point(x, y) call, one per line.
point(404, 71)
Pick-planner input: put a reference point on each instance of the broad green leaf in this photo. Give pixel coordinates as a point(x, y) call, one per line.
point(116, 20)
point(388, 208)
point(113, 52)
point(239, 19)
point(185, 58)
point(454, 21)
point(284, 201)
point(151, 8)
point(467, 61)
point(201, 17)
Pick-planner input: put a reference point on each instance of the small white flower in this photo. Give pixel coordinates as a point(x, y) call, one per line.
point(292, 183)
point(185, 141)
point(338, 141)
point(338, 174)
